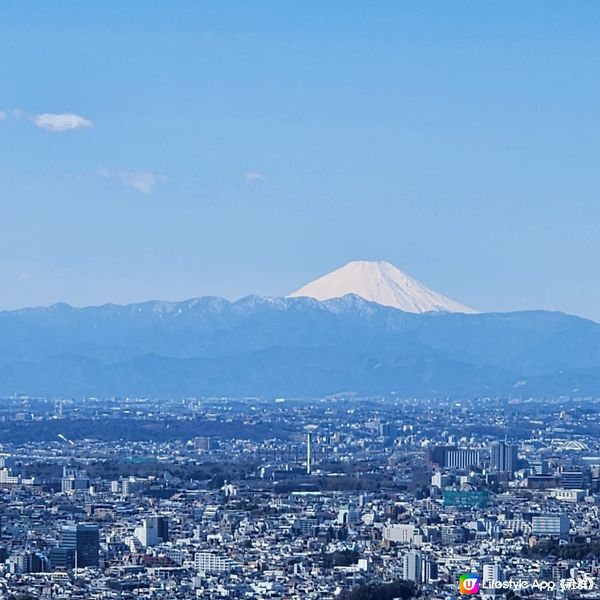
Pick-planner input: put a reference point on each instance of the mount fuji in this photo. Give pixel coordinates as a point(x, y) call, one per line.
point(368, 329)
point(379, 282)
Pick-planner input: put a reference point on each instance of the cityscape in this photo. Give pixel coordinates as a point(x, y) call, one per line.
point(299, 300)
point(341, 497)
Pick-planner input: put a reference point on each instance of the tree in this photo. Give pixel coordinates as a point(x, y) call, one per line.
point(341, 558)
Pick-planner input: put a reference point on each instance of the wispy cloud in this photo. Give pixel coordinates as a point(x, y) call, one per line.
point(60, 121)
point(142, 181)
point(25, 276)
point(56, 122)
point(254, 177)
point(13, 113)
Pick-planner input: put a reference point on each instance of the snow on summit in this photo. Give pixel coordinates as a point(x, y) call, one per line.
point(379, 282)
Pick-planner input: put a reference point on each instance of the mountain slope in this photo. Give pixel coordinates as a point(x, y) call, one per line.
point(382, 283)
point(293, 347)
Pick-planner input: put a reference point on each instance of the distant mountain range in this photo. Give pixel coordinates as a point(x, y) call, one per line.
point(294, 347)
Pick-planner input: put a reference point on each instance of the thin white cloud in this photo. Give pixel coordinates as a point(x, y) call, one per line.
point(104, 172)
point(60, 121)
point(25, 276)
point(254, 177)
point(142, 181)
point(2, 115)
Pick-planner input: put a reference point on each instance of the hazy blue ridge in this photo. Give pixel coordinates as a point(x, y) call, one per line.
point(294, 347)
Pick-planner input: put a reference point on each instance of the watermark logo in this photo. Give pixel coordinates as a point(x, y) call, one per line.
point(580, 583)
point(468, 584)
point(585, 583)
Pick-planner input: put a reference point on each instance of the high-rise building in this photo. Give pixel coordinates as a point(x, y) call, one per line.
point(440, 480)
point(419, 567)
point(74, 480)
point(7, 461)
point(82, 544)
point(162, 526)
point(206, 443)
point(61, 558)
point(348, 515)
point(461, 458)
point(504, 457)
point(130, 486)
point(539, 467)
point(453, 457)
point(153, 530)
point(412, 564)
point(573, 479)
point(491, 572)
point(306, 526)
point(28, 562)
point(555, 525)
point(429, 570)
point(437, 455)
point(387, 429)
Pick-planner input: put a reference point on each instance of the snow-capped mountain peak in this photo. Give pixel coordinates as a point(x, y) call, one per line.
point(379, 282)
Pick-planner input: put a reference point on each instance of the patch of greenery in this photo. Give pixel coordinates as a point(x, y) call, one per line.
point(574, 551)
point(341, 558)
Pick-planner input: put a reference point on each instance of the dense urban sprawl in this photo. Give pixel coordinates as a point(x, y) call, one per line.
point(281, 498)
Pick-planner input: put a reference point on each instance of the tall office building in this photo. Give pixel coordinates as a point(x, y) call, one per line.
point(539, 467)
point(419, 567)
point(462, 458)
point(74, 480)
point(429, 570)
point(387, 430)
point(81, 544)
point(153, 530)
point(504, 457)
point(436, 455)
point(412, 564)
point(453, 457)
point(573, 479)
point(26, 562)
point(206, 443)
point(555, 525)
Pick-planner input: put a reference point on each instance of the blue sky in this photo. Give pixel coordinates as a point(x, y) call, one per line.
point(176, 149)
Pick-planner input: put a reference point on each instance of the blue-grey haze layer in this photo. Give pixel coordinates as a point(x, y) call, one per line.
point(293, 347)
